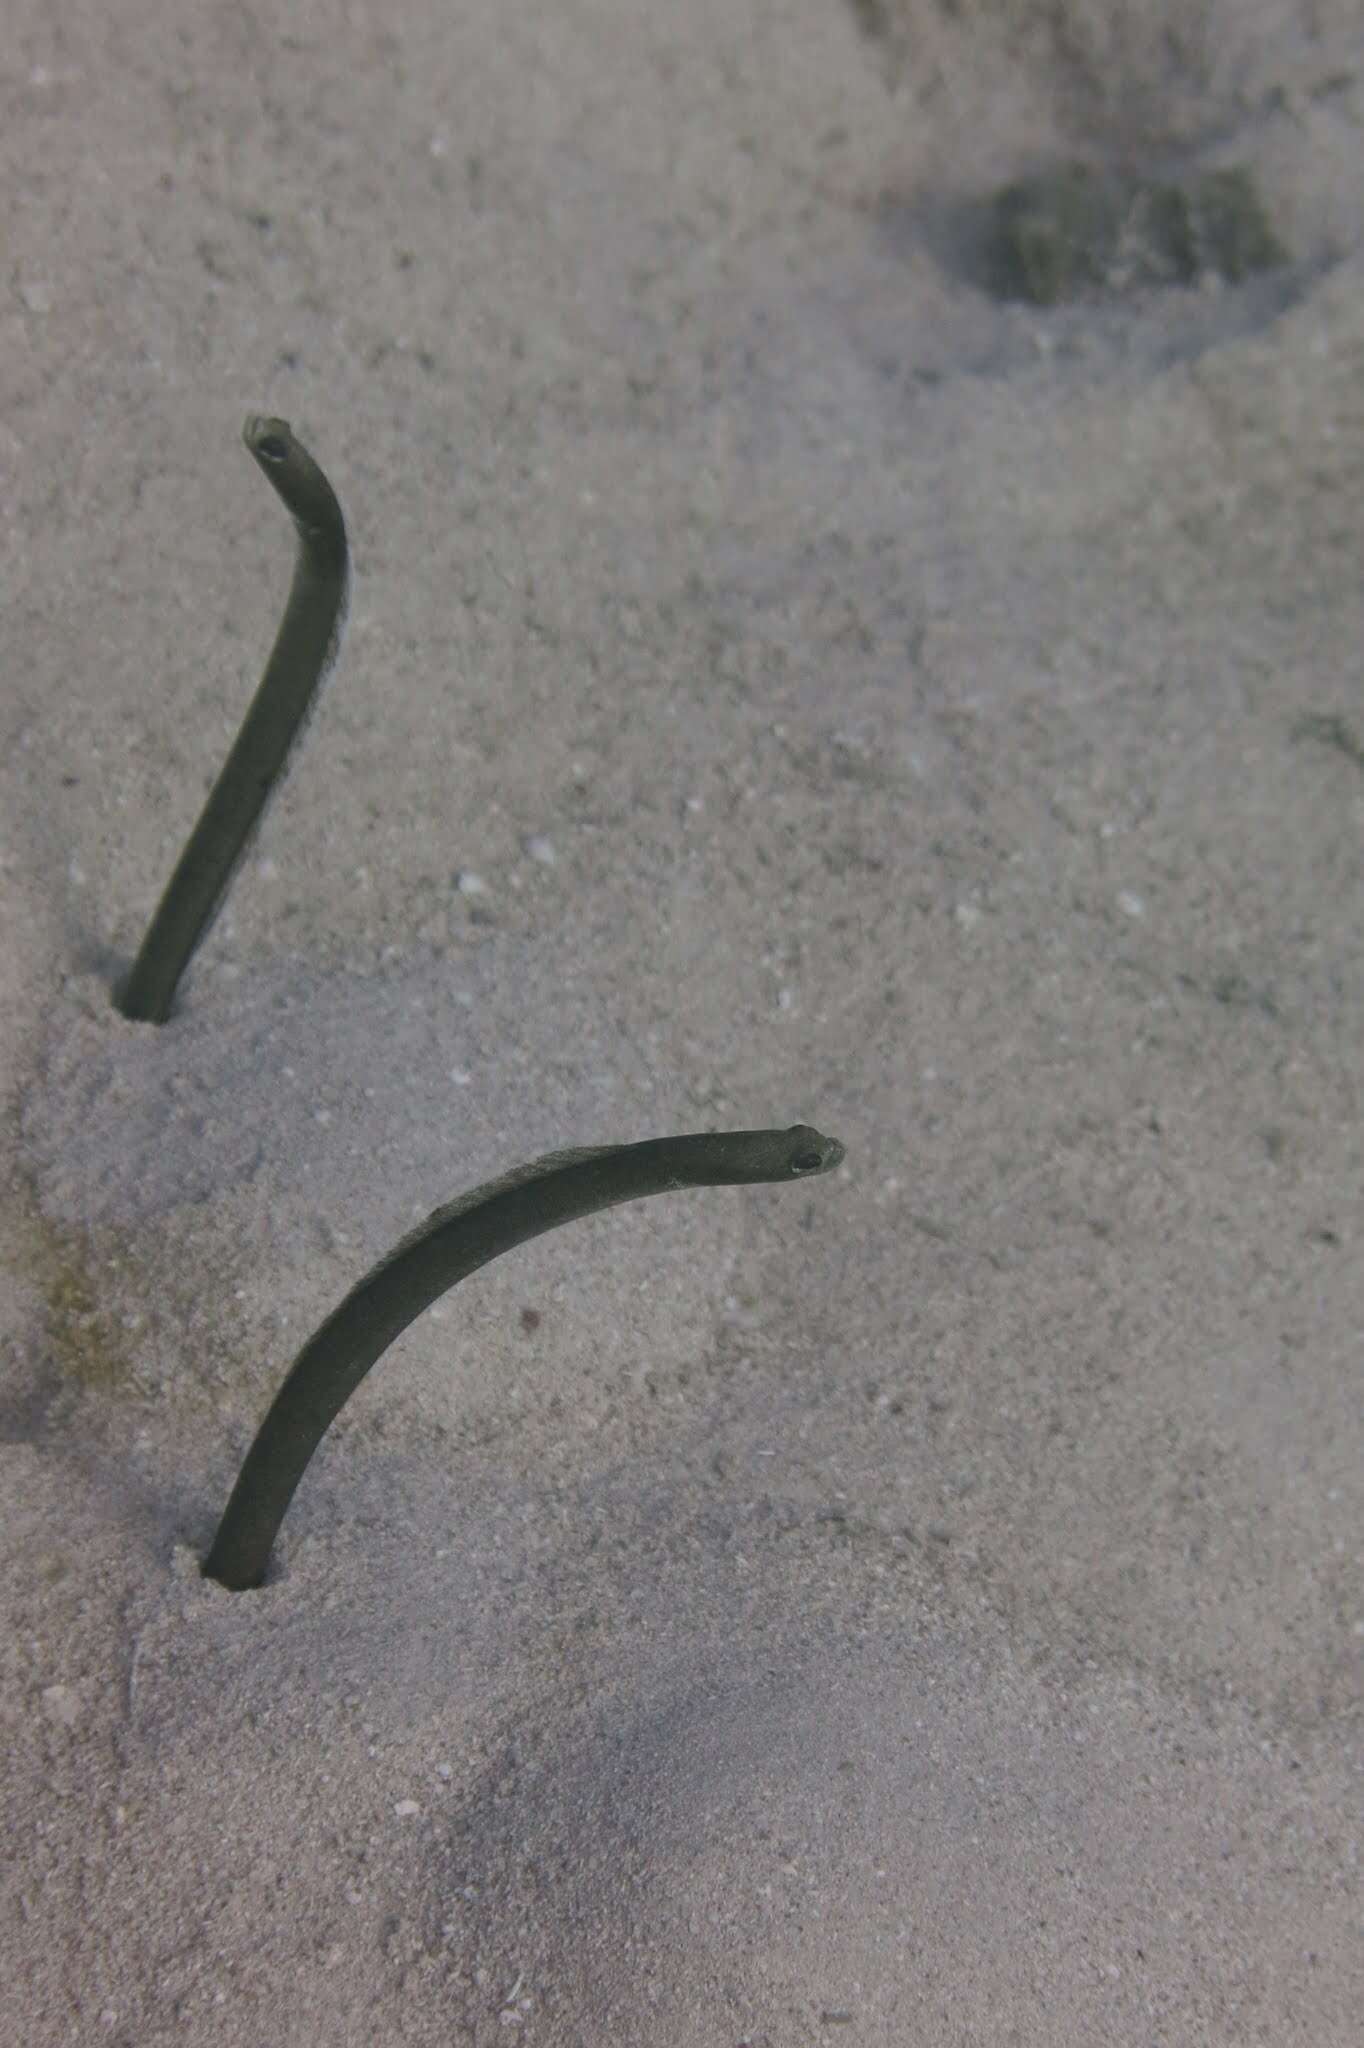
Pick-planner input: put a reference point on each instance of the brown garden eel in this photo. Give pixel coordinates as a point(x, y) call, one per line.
point(454, 1241)
point(305, 649)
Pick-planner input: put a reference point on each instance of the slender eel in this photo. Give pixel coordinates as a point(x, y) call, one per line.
point(454, 1241)
point(305, 648)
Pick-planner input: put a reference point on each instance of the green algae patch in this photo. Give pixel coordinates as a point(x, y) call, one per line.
point(91, 1342)
point(138, 1322)
point(1078, 230)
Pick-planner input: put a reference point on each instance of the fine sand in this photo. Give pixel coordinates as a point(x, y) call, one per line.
point(785, 681)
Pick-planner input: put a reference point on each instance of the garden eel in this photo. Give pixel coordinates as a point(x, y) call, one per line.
point(454, 1241)
point(305, 648)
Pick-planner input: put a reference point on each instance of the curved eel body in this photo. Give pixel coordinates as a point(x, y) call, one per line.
point(454, 1241)
point(305, 648)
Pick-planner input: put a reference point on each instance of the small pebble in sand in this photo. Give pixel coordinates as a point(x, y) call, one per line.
point(406, 1809)
point(542, 849)
point(470, 884)
point(62, 1704)
point(1130, 905)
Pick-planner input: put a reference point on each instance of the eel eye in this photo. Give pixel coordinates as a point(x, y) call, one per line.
point(272, 448)
point(805, 1162)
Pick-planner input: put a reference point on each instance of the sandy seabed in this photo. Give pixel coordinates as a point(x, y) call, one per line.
point(784, 681)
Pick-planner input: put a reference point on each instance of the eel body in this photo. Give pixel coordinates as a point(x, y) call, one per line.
point(305, 649)
point(454, 1241)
